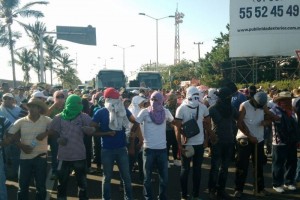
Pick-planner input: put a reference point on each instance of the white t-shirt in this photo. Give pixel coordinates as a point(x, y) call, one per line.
point(154, 134)
point(253, 119)
point(186, 113)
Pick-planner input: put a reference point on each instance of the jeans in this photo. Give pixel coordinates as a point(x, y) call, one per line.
point(97, 150)
point(242, 164)
point(3, 190)
point(159, 158)
point(36, 167)
point(109, 157)
point(171, 141)
point(220, 159)
point(298, 171)
point(197, 160)
point(63, 172)
point(12, 160)
point(284, 164)
point(88, 147)
point(52, 141)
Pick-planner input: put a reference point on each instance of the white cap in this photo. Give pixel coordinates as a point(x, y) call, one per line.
point(8, 95)
point(39, 94)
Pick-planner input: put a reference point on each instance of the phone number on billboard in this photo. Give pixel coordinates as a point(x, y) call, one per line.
point(264, 11)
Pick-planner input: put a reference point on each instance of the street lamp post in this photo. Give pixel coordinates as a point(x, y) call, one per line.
point(123, 48)
point(198, 43)
point(156, 19)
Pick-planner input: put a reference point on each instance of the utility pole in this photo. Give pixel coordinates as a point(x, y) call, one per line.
point(198, 43)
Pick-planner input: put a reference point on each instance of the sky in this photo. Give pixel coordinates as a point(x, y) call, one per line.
point(118, 22)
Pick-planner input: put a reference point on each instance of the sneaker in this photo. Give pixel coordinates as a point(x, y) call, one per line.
point(237, 194)
point(177, 163)
point(279, 189)
point(290, 187)
point(223, 195)
point(262, 193)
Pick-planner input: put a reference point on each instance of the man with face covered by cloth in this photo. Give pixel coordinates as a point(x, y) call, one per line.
point(251, 124)
point(70, 126)
point(113, 119)
point(186, 111)
point(155, 118)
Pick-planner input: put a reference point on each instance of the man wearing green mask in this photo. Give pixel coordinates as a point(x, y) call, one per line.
point(70, 126)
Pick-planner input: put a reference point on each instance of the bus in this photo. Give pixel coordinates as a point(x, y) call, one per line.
point(110, 78)
point(147, 79)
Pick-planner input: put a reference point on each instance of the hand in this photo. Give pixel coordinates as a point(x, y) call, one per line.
point(213, 138)
point(26, 148)
point(88, 130)
point(62, 141)
point(111, 133)
point(40, 136)
point(253, 139)
point(131, 151)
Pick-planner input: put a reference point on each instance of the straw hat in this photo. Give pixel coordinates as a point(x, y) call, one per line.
point(296, 92)
point(282, 96)
point(40, 103)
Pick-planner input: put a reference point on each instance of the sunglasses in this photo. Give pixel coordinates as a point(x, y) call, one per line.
point(60, 97)
point(153, 99)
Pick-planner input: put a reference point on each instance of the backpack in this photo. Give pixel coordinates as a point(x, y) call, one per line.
point(288, 130)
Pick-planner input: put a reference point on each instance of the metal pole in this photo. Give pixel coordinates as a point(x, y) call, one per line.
point(156, 66)
point(41, 57)
point(124, 60)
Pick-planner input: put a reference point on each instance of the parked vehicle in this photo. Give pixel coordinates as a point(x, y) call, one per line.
point(110, 78)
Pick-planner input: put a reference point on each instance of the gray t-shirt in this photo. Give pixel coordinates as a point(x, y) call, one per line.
point(223, 127)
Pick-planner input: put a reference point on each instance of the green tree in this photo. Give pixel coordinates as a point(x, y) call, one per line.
point(25, 60)
point(35, 31)
point(54, 51)
point(10, 10)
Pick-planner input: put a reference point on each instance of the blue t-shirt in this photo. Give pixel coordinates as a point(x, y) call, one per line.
point(238, 98)
point(110, 142)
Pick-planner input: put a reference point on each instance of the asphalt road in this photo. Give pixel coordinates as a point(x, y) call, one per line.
point(94, 185)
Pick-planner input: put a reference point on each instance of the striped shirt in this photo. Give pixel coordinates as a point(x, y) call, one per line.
point(29, 130)
point(71, 130)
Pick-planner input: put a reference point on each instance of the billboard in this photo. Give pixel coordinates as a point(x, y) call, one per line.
point(264, 28)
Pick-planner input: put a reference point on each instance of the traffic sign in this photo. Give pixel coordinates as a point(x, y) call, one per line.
point(81, 35)
point(176, 82)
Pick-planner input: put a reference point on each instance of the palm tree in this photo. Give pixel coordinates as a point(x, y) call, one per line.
point(25, 59)
point(10, 11)
point(34, 32)
point(67, 74)
point(54, 52)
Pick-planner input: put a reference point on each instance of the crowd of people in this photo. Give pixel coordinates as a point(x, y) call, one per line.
point(148, 130)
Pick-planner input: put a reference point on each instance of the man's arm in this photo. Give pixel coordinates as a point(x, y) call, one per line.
point(178, 133)
point(207, 130)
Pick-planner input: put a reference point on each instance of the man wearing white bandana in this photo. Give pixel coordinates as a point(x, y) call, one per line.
point(186, 111)
point(113, 118)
